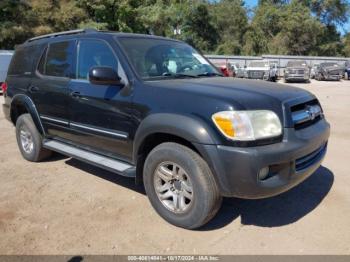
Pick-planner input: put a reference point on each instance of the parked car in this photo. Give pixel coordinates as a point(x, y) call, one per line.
point(296, 70)
point(154, 109)
point(264, 70)
point(225, 68)
point(313, 70)
point(347, 70)
point(5, 58)
point(239, 70)
point(328, 71)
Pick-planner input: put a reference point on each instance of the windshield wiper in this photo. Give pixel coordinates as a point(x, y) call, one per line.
point(180, 75)
point(209, 74)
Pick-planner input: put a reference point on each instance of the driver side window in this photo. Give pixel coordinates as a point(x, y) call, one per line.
point(96, 53)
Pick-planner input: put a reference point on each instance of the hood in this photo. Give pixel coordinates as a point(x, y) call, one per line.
point(224, 93)
point(331, 68)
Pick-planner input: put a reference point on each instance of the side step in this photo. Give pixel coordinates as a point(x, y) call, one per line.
point(107, 163)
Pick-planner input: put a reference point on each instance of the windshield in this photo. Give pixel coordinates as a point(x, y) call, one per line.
point(329, 64)
point(296, 64)
point(258, 64)
point(158, 58)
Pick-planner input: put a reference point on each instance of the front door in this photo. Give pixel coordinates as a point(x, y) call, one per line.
point(100, 115)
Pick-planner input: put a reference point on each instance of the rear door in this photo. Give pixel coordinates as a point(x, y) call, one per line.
point(49, 88)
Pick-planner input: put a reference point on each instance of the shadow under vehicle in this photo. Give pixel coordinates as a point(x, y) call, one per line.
point(328, 71)
point(297, 71)
point(264, 70)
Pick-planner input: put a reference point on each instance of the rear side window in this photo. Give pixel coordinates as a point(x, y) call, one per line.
point(23, 60)
point(59, 60)
point(94, 53)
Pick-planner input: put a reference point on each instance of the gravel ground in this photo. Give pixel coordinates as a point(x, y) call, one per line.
point(63, 206)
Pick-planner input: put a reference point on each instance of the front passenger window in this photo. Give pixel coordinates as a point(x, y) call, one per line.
point(94, 53)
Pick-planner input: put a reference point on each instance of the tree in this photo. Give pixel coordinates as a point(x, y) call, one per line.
point(299, 31)
point(12, 30)
point(266, 24)
point(198, 29)
point(116, 15)
point(231, 21)
point(329, 12)
point(346, 43)
point(20, 20)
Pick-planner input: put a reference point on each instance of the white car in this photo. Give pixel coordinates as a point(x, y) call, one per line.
point(265, 70)
point(5, 59)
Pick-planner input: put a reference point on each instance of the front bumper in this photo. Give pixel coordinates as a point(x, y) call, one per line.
point(332, 77)
point(293, 160)
point(296, 77)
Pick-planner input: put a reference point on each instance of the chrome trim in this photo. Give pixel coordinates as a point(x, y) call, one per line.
point(118, 134)
point(54, 120)
point(80, 81)
point(308, 114)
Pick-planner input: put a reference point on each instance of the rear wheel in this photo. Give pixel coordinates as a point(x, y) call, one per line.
point(29, 139)
point(180, 186)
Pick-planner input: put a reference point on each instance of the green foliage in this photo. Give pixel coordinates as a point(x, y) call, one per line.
point(346, 43)
point(299, 31)
point(230, 18)
point(295, 27)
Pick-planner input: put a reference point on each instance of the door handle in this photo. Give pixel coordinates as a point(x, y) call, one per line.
point(75, 94)
point(33, 89)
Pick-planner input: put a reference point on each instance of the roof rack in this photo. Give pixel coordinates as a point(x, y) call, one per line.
point(71, 32)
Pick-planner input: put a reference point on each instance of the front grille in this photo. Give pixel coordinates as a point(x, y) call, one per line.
point(296, 71)
point(310, 159)
point(256, 74)
point(306, 114)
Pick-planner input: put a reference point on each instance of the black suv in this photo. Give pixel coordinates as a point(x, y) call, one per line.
point(156, 110)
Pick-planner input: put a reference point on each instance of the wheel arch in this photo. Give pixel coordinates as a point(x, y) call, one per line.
point(164, 127)
point(22, 104)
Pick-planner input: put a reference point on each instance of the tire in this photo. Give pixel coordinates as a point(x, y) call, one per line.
point(206, 199)
point(29, 139)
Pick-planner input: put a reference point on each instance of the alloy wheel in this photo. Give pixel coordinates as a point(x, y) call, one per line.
point(173, 187)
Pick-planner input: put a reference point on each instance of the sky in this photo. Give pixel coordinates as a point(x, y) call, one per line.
point(253, 3)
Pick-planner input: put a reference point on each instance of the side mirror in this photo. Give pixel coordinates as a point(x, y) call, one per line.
point(104, 76)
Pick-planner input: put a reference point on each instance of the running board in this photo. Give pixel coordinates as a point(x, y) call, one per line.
point(107, 163)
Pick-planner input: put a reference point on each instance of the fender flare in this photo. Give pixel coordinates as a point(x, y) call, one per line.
point(30, 107)
point(190, 128)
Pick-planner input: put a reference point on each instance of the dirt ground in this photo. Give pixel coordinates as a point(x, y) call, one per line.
point(63, 206)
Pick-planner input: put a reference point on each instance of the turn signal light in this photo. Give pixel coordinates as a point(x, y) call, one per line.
point(225, 124)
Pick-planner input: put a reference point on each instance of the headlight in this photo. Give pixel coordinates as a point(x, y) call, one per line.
point(248, 125)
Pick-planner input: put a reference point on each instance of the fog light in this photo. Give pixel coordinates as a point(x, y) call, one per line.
point(263, 173)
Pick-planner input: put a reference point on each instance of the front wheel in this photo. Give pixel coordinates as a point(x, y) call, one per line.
point(181, 186)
